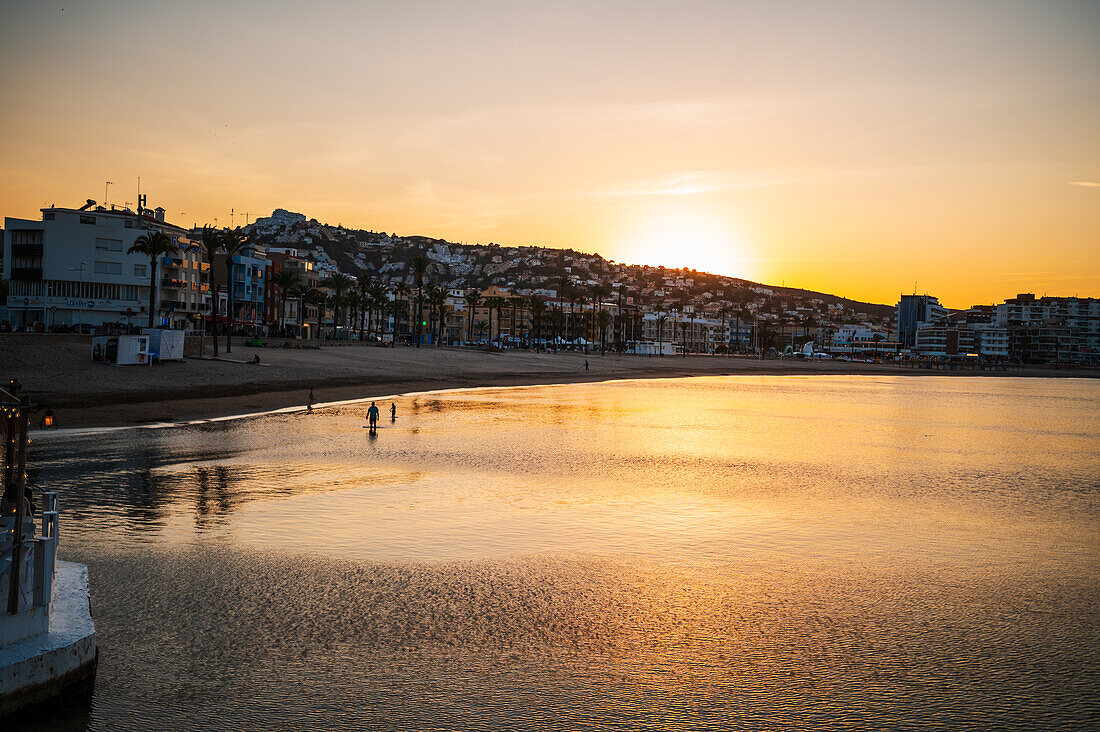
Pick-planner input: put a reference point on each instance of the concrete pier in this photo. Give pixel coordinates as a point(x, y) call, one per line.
point(60, 661)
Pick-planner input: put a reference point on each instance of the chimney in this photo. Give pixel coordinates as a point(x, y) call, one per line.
point(158, 214)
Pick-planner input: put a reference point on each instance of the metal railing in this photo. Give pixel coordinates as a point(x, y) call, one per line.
point(37, 558)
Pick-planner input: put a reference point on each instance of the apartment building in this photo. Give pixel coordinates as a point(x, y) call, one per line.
point(71, 268)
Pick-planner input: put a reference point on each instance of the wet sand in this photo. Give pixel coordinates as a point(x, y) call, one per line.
point(57, 371)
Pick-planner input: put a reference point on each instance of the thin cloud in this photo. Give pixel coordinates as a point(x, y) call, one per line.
point(1085, 183)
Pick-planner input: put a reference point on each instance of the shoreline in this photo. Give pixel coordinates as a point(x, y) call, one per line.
point(82, 394)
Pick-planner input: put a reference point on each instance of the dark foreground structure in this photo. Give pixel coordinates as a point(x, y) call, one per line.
point(47, 638)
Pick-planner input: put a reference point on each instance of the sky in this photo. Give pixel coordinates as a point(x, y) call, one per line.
point(858, 148)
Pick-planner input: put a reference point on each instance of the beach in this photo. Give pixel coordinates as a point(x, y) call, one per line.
point(57, 372)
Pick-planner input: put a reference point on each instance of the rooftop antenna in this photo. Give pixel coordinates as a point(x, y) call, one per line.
point(108, 183)
point(231, 218)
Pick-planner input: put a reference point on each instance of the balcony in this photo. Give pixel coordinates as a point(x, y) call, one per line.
point(25, 274)
point(27, 250)
point(173, 282)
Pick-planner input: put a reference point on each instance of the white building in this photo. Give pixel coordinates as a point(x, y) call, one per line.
point(71, 268)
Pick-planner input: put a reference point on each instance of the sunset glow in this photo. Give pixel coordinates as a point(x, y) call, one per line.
point(681, 234)
point(848, 147)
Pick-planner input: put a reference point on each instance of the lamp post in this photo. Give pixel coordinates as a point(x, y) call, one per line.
point(79, 294)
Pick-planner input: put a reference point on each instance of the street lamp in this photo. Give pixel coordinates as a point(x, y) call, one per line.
point(79, 293)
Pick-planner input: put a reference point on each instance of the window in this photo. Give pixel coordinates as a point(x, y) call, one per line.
point(47, 216)
point(87, 219)
point(108, 245)
point(26, 236)
point(129, 224)
point(112, 268)
point(139, 270)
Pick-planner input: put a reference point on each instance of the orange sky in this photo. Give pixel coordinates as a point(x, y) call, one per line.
point(859, 148)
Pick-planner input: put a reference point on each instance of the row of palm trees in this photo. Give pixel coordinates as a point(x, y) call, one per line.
point(357, 302)
point(155, 244)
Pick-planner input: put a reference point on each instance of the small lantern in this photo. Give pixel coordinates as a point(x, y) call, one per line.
point(47, 420)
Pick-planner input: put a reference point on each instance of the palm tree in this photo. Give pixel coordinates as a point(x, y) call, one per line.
point(494, 303)
point(366, 302)
point(305, 294)
point(233, 242)
point(400, 297)
point(319, 298)
point(284, 280)
point(480, 326)
point(154, 245)
point(354, 302)
point(379, 300)
point(661, 320)
point(438, 301)
point(603, 319)
point(599, 292)
point(211, 243)
point(472, 298)
point(419, 265)
point(339, 283)
point(538, 309)
point(563, 291)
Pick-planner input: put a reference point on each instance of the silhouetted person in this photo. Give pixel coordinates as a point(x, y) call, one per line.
point(372, 416)
point(586, 365)
point(309, 403)
point(393, 412)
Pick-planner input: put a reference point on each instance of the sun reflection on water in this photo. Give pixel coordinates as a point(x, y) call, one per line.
point(707, 553)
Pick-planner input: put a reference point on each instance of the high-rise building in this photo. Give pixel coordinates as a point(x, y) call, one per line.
point(913, 312)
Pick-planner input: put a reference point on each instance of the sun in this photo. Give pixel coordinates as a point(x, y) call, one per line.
point(684, 236)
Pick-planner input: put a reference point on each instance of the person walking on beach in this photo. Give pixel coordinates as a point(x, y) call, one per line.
point(393, 412)
point(309, 402)
point(586, 365)
point(372, 416)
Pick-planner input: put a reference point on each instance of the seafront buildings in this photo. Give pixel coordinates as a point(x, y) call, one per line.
point(70, 270)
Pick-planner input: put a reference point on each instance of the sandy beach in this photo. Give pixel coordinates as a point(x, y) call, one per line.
point(57, 371)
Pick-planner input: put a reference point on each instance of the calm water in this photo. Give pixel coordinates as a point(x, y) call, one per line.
point(728, 552)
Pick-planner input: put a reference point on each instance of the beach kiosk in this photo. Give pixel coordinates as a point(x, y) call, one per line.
point(122, 349)
point(166, 345)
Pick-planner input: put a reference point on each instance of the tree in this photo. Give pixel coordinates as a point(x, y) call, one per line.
point(494, 303)
point(603, 319)
point(319, 298)
point(419, 265)
point(211, 243)
point(564, 286)
point(379, 300)
point(400, 298)
point(354, 301)
point(661, 320)
point(298, 292)
point(339, 283)
point(438, 301)
point(538, 310)
point(233, 243)
point(154, 245)
point(366, 302)
point(284, 280)
point(480, 327)
point(472, 298)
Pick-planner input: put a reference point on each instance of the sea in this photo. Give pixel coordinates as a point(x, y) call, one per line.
point(707, 553)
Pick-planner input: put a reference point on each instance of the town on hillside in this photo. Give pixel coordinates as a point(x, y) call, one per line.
point(97, 268)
